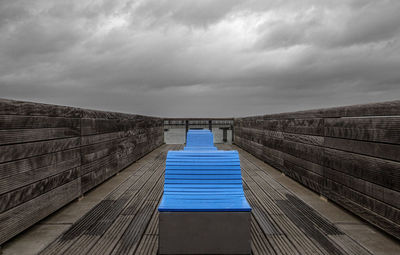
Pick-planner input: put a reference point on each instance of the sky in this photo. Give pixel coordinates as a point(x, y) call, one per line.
point(203, 58)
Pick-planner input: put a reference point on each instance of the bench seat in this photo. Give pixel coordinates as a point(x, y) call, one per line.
point(203, 181)
point(203, 209)
point(199, 140)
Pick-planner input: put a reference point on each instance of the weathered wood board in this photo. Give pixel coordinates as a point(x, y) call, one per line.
point(50, 155)
point(127, 220)
point(348, 154)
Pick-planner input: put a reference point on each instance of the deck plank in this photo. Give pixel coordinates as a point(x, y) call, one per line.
point(126, 221)
point(77, 234)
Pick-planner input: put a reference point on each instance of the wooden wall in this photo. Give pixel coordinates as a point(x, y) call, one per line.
point(51, 155)
point(350, 155)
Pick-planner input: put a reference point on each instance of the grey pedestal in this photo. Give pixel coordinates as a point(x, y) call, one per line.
point(204, 233)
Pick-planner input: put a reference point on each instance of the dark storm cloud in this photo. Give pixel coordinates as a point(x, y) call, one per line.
point(200, 58)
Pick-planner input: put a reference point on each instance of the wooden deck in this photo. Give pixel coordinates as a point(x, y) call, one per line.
point(126, 221)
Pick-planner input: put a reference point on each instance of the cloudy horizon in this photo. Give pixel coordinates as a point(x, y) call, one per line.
point(200, 58)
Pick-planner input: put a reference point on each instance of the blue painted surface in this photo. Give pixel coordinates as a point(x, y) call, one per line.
point(203, 180)
point(199, 140)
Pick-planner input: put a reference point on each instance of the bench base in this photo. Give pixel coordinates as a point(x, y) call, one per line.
point(204, 233)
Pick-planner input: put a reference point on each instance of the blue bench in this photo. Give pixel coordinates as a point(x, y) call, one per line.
point(199, 140)
point(203, 209)
point(203, 181)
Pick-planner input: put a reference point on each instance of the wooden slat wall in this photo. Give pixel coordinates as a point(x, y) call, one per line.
point(50, 155)
point(351, 155)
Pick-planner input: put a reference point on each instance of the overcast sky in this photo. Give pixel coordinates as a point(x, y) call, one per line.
point(200, 58)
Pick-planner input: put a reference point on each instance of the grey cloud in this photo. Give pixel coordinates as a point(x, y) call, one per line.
point(372, 23)
point(41, 37)
point(200, 58)
point(343, 26)
point(12, 11)
point(323, 69)
point(190, 13)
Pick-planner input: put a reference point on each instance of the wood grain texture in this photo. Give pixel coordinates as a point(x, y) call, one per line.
point(389, 212)
point(383, 223)
point(381, 129)
point(314, 126)
point(349, 154)
point(307, 152)
point(126, 142)
point(25, 178)
point(383, 172)
point(25, 150)
point(25, 215)
point(45, 147)
point(391, 108)
point(14, 107)
point(306, 139)
point(28, 164)
point(34, 122)
point(377, 150)
point(126, 221)
point(28, 192)
point(18, 136)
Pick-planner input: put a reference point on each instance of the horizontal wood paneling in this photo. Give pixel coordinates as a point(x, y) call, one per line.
point(383, 172)
point(31, 135)
point(385, 130)
point(14, 107)
point(313, 126)
point(17, 219)
point(28, 192)
point(109, 144)
point(50, 155)
point(35, 122)
point(391, 108)
point(37, 162)
point(25, 178)
point(349, 154)
point(378, 150)
point(25, 150)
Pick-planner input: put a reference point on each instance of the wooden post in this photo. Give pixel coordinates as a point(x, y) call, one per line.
point(225, 135)
point(186, 128)
point(233, 134)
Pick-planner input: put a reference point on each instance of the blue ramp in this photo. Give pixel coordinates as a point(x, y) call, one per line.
point(200, 140)
point(203, 209)
point(204, 180)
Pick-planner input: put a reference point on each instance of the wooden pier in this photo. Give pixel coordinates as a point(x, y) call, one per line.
point(322, 181)
point(126, 221)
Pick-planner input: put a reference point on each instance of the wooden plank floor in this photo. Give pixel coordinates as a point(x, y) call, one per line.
point(126, 221)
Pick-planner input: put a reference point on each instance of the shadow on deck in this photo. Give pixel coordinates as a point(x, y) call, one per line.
point(287, 218)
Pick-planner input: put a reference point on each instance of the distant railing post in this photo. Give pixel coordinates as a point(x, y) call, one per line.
point(210, 125)
point(233, 133)
point(186, 128)
point(225, 135)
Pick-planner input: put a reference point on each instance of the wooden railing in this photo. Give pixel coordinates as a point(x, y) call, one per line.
point(350, 155)
point(51, 155)
point(206, 122)
point(224, 124)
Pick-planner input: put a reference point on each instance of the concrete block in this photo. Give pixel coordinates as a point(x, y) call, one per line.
point(204, 233)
